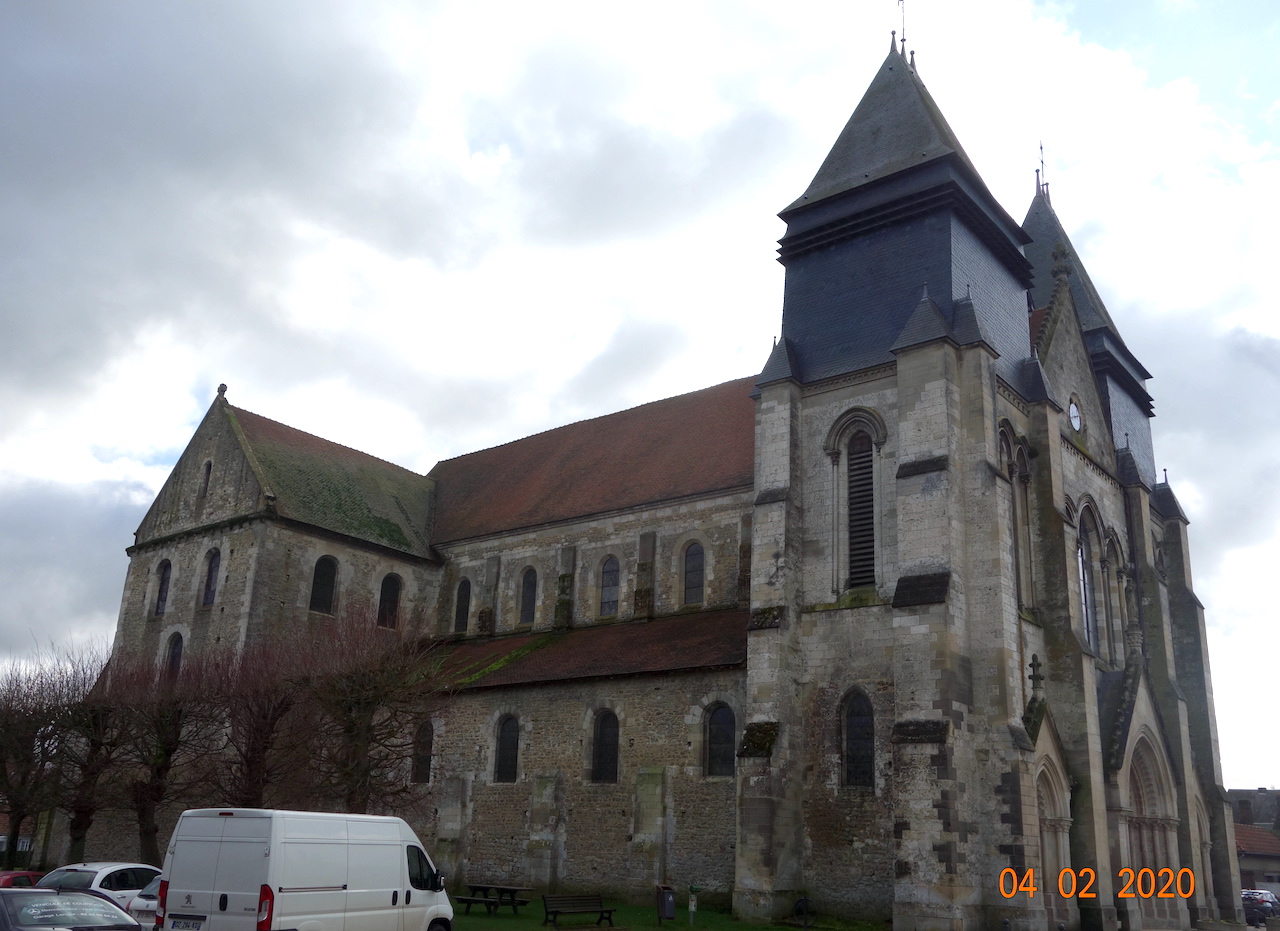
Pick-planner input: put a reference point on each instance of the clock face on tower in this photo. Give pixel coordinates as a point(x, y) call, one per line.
point(1073, 412)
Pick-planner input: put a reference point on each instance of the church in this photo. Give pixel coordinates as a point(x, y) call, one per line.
point(903, 624)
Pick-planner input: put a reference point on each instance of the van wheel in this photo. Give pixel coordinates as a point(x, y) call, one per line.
point(438, 926)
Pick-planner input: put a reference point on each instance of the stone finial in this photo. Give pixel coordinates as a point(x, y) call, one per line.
point(222, 391)
point(1036, 677)
point(1133, 640)
point(893, 40)
point(1061, 265)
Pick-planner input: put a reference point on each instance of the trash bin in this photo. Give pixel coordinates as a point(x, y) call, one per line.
point(666, 903)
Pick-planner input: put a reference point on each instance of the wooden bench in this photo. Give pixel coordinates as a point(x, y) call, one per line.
point(490, 905)
point(557, 905)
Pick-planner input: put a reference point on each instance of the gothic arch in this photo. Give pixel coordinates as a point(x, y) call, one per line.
point(856, 541)
point(1053, 798)
point(1152, 817)
point(851, 421)
point(1088, 576)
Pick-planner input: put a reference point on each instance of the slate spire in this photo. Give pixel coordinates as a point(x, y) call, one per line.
point(897, 125)
point(897, 205)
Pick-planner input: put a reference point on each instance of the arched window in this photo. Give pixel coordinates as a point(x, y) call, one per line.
point(423, 738)
point(858, 722)
point(1053, 800)
point(323, 584)
point(1022, 530)
point(204, 484)
point(1088, 585)
point(1112, 601)
point(389, 601)
point(505, 761)
point(694, 574)
point(720, 741)
point(462, 607)
point(173, 655)
point(609, 588)
point(528, 595)
point(862, 512)
point(164, 570)
point(213, 562)
point(604, 748)
point(1151, 830)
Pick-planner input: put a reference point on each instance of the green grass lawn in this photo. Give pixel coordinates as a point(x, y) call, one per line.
point(640, 918)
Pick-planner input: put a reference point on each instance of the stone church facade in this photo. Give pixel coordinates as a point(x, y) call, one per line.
point(905, 611)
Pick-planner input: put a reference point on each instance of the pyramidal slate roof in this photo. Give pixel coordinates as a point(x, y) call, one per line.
point(1046, 232)
point(896, 125)
point(327, 485)
point(693, 444)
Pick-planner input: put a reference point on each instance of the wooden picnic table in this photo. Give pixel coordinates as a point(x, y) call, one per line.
point(495, 895)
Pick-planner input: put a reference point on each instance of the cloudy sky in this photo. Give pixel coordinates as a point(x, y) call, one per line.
point(424, 228)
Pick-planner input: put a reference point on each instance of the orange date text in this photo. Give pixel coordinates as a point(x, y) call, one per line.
point(1144, 883)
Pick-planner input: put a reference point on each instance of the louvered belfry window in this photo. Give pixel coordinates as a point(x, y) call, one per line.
point(862, 513)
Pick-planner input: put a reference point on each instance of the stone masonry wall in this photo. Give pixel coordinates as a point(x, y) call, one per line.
point(663, 821)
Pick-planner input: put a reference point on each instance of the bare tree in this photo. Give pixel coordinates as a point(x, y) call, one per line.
point(28, 746)
point(169, 733)
point(366, 687)
point(91, 730)
point(258, 693)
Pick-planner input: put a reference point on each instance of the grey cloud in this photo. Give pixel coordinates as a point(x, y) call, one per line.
point(62, 561)
point(1215, 427)
point(156, 155)
point(636, 352)
point(584, 173)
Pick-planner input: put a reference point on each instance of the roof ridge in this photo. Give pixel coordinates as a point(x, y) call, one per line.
point(574, 423)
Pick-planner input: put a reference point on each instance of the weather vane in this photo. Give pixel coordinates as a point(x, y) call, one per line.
point(902, 5)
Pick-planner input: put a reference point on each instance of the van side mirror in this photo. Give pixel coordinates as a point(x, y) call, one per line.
point(437, 884)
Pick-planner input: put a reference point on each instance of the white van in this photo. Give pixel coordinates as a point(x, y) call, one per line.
point(246, 869)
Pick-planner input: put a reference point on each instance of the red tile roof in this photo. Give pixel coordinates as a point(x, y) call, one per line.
point(707, 640)
point(329, 485)
point(1036, 323)
point(687, 445)
point(1256, 841)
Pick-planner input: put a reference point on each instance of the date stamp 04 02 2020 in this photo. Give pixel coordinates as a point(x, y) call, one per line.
point(1144, 883)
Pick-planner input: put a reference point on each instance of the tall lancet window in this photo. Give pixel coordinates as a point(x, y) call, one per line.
point(862, 512)
point(1088, 591)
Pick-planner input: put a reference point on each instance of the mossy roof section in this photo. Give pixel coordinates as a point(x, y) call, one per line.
point(1257, 841)
point(686, 642)
point(336, 488)
point(692, 444)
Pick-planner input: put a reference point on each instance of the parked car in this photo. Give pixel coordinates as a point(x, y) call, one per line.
point(118, 881)
point(18, 878)
point(1259, 905)
point(143, 905)
point(22, 909)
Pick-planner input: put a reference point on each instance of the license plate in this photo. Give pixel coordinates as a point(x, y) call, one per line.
point(187, 924)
